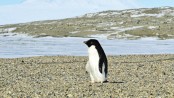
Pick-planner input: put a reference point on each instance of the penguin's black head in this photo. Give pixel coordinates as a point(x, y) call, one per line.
point(91, 42)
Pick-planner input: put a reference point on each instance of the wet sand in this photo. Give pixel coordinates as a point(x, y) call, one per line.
point(133, 76)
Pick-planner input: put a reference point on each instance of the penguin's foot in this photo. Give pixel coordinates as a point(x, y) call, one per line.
point(105, 81)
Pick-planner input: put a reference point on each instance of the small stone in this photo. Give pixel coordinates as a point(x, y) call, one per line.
point(70, 95)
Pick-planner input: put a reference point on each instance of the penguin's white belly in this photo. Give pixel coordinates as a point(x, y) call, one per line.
point(93, 66)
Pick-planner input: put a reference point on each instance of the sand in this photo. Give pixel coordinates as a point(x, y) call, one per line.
point(133, 76)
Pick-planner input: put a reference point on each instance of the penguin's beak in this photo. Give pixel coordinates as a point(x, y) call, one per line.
point(85, 42)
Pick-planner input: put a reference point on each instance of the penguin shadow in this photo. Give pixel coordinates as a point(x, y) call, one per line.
point(114, 82)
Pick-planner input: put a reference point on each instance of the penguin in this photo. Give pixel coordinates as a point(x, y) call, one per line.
point(97, 65)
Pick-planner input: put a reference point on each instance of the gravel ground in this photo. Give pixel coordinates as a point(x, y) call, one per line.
point(132, 76)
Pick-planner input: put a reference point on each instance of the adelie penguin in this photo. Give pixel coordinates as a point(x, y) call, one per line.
point(97, 65)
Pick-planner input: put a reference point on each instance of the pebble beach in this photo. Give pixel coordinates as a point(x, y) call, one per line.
point(130, 76)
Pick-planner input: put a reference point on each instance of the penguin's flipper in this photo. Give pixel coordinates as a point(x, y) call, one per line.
point(100, 65)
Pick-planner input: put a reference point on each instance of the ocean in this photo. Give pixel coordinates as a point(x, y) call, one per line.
point(13, 45)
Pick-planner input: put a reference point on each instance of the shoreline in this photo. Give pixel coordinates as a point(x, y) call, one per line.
point(52, 56)
point(64, 76)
